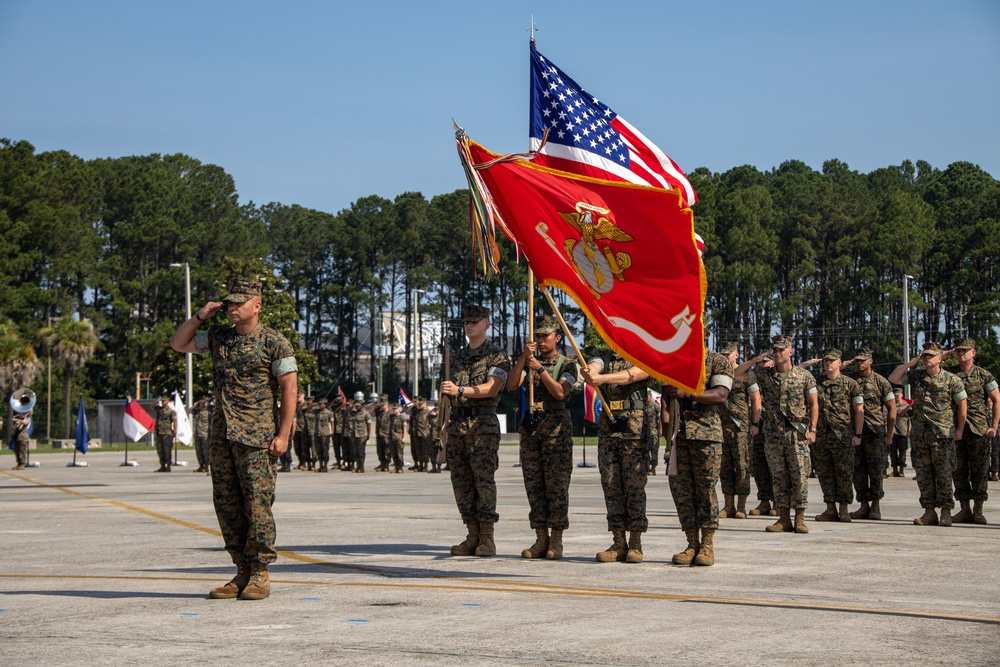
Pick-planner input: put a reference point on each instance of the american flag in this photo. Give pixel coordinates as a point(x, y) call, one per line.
point(587, 137)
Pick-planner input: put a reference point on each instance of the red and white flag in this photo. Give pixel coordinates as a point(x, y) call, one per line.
point(137, 421)
point(587, 137)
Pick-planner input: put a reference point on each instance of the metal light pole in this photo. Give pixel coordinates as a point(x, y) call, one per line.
point(906, 326)
point(416, 340)
point(189, 370)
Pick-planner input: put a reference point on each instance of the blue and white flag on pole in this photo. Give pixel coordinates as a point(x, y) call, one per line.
point(82, 434)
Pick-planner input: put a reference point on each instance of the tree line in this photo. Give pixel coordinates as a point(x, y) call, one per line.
point(92, 273)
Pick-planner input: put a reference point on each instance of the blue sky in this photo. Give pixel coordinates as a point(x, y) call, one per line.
point(321, 103)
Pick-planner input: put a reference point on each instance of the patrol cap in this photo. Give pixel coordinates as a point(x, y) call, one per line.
point(338, 399)
point(967, 344)
point(475, 313)
point(383, 397)
point(242, 290)
point(781, 342)
point(931, 348)
point(728, 348)
point(864, 354)
point(832, 353)
point(898, 391)
point(546, 325)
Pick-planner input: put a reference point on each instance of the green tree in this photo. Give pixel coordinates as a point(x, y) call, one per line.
point(72, 343)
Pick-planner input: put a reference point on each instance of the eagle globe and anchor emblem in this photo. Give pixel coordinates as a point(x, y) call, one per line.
point(596, 264)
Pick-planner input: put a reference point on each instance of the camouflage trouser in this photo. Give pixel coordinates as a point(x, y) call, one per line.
point(396, 452)
point(788, 458)
point(834, 466)
point(897, 451)
point(735, 467)
point(933, 459)
point(473, 461)
point(297, 439)
point(693, 487)
point(358, 446)
point(869, 467)
point(623, 464)
point(307, 449)
point(995, 458)
point(243, 492)
point(416, 448)
point(165, 448)
point(382, 450)
point(323, 448)
point(21, 449)
point(653, 445)
point(758, 467)
point(972, 467)
point(338, 447)
point(347, 449)
point(546, 464)
point(202, 450)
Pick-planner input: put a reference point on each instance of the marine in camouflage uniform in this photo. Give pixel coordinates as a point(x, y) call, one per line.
point(698, 447)
point(420, 431)
point(880, 421)
point(21, 421)
point(740, 421)
point(299, 433)
point(937, 420)
point(324, 434)
point(343, 426)
point(972, 451)
point(337, 408)
point(841, 418)
point(546, 432)
point(166, 429)
point(202, 418)
point(651, 431)
point(478, 374)
point(791, 413)
point(250, 364)
point(382, 433)
point(900, 435)
point(622, 456)
point(359, 430)
point(396, 421)
point(309, 437)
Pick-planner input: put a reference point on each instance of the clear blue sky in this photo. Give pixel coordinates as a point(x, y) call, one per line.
point(321, 103)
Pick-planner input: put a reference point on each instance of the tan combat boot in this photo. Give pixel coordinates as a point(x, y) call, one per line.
point(706, 550)
point(928, 519)
point(862, 512)
point(741, 507)
point(728, 510)
point(875, 513)
point(830, 514)
point(555, 545)
point(764, 509)
point(233, 589)
point(687, 556)
point(977, 512)
point(541, 545)
point(800, 521)
point(468, 547)
point(260, 583)
point(783, 524)
point(634, 554)
point(964, 515)
point(617, 551)
point(486, 545)
point(945, 519)
point(845, 516)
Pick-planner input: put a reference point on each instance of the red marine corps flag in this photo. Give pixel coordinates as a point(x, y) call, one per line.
point(625, 253)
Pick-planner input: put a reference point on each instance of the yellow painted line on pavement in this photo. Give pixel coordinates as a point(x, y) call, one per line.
point(470, 584)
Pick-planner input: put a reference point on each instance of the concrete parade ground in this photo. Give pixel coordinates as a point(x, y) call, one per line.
point(111, 565)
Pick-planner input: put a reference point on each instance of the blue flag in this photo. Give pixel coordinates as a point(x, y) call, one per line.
point(82, 434)
point(522, 404)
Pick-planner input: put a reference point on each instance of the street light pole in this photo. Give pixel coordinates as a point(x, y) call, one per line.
point(189, 370)
point(416, 340)
point(906, 326)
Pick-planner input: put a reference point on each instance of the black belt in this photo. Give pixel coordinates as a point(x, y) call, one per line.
point(472, 412)
point(542, 406)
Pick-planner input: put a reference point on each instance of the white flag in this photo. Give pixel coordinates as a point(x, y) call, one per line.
point(184, 433)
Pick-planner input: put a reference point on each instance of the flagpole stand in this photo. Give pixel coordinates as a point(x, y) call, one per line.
point(130, 464)
point(76, 464)
point(126, 463)
point(32, 464)
point(585, 463)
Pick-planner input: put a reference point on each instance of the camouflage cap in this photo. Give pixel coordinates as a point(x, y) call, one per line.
point(898, 391)
point(475, 313)
point(546, 325)
point(242, 290)
point(832, 353)
point(781, 342)
point(863, 354)
point(932, 348)
point(383, 397)
point(967, 344)
point(728, 348)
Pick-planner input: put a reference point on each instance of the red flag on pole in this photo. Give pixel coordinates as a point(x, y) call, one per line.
point(625, 253)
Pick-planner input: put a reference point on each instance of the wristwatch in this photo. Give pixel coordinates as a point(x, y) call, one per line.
point(812, 430)
point(461, 390)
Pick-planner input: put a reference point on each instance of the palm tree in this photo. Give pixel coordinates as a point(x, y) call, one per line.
point(19, 366)
point(72, 343)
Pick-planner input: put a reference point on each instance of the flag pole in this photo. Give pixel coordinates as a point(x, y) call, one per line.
point(579, 354)
point(531, 337)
